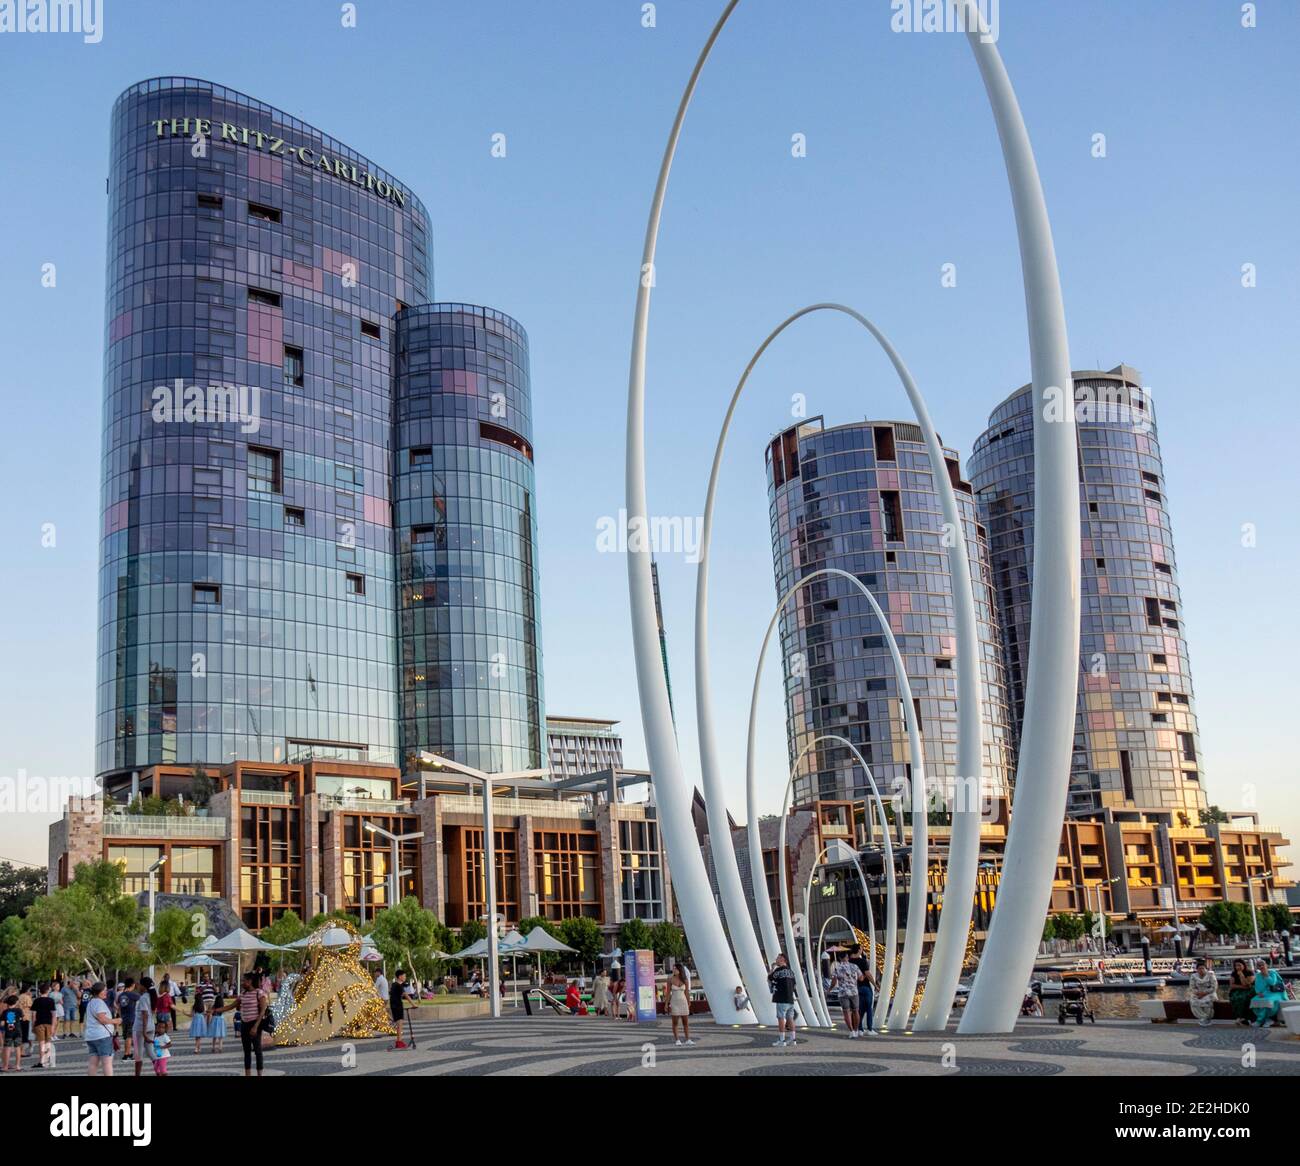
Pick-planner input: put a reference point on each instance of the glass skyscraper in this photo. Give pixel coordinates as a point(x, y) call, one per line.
point(1136, 743)
point(861, 498)
point(250, 605)
point(469, 639)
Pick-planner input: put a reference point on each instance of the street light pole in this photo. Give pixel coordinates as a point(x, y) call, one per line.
point(489, 856)
point(395, 858)
point(153, 882)
point(1250, 894)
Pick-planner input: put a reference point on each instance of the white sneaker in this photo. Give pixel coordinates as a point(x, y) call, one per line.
point(776, 1044)
point(792, 1042)
point(690, 1042)
point(870, 1032)
point(678, 1043)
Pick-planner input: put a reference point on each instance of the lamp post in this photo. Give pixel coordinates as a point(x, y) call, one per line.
point(394, 841)
point(324, 902)
point(1250, 894)
point(1101, 917)
point(487, 780)
point(153, 882)
point(365, 891)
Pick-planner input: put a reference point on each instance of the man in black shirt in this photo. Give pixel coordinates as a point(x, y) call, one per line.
point(126, 1001)
point(781, 981)
point(43, 1009)
point(397, 1004)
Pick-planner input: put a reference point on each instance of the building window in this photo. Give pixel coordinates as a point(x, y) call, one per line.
point(882, 437)
point(368, 328)
point(210, 202)
point(293, 366)
point(503, 436)
point(891, 512)
point(265, 214)
point(423, 534)
point(295, 516)
point(1101, 564)
point(356, 584)
point(506, 860)
point(367, 860)
point(1164, 568)
point(943, 662)
point(1153, 612)
point(263, 470)
point(567, 873)
point(1126, 773)
point(209, 593)
point(268, 299)
point(421, 457)
point(640, 872)
point(1188, 744)
point(270, 863)
point(1159, 662)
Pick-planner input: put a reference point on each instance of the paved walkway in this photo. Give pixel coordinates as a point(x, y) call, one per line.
point(584, 1046)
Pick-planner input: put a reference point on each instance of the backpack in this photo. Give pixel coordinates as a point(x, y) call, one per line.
point(11, 1022)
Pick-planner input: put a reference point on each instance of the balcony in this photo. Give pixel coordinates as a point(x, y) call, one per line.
point(513, 807)
point(364, 805)
point(266, 797)
point(163, 826)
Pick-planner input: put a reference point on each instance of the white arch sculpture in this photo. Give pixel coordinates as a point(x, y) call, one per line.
point(1043, 770)
point(963, 856)
point(910, 967)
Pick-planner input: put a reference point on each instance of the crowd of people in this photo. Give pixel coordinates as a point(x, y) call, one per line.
point(131, 1020)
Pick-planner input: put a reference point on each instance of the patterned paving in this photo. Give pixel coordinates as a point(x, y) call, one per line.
point(594, 1046)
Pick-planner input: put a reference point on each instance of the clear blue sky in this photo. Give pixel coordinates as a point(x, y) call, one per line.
point(902, 175)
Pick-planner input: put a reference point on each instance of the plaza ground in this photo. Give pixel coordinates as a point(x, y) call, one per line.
point(549, 1046)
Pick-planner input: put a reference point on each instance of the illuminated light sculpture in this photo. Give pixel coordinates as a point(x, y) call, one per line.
point(1043, 769)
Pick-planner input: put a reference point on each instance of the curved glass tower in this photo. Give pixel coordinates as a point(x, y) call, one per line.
point(1136, 743)
point(247, 561)
point(861, 498)
point(468, 608)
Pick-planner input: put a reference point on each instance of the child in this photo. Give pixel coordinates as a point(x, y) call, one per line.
point(11, 1033)
point(739, 1001)
point(161, 1048)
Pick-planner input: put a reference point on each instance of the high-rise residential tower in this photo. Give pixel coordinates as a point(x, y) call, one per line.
point(861, 497)
point(276, 385)
point(1136, 742)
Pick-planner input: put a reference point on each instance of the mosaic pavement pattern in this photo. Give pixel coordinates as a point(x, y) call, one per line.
point(552, 1046)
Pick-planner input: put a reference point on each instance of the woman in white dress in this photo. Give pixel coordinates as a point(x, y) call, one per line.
point(1202, 991)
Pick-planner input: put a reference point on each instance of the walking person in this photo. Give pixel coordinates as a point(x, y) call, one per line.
point(678, 995)
point(600, 993)
point(780, 980)
point(866, 991)
point(25, 1007)
point(11, 1034)
point(126, 1002)
point(98, 1030)
point(381, 985)
point(252, 1011)
point(44, 1008)
point(397, 1004)
point(217, 1019)
point(70, 994)
point(143, 1023)
point(162, 1050)
point(847, 978)
point(166, 1004)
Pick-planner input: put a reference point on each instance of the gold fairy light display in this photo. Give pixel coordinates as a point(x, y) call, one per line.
point(334, 996)
point(861, 937)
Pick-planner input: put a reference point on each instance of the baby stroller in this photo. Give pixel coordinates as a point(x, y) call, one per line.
point(1074, 1002)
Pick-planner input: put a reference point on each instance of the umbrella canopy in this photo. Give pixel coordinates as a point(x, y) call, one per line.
point(202, 961)
point(241, 940)
point(512, 938)
point(539, 939)
point(476, 950)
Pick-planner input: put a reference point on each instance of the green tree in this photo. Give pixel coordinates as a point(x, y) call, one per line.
point(202, 787)
point(1212, 814)
point(1049, 928)
point(287, 929)
point(635, 935)
point(471, 931)
point(1069, 926)
point(172, 936)
point(668, 939)
point(20, 887)
point(88, 923)
point(1276, 917)
point(1227, 919)
point(407, 936)
point(1090, 922)
point(583, 935)
point(13, 964)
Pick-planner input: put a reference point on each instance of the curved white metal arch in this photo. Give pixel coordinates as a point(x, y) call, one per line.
point(910, 967)
point(963, 855)
point(891, 887)
point(821, 943)
point(1043, 770)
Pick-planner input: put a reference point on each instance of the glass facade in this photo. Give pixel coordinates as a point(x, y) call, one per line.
point(861, 498)
point(468, 606)
point(1136, 742)
point(247, 574)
